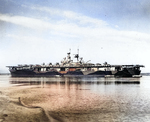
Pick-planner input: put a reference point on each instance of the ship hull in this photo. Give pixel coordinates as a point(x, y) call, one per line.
point(31, 73)
point(127, 72)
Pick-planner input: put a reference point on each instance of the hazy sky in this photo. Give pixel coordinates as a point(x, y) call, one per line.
point(37, 31)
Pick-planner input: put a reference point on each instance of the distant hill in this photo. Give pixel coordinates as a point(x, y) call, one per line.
point(145, 74)
point(4, 73)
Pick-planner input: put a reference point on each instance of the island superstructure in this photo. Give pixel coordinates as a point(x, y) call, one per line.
point(67, 67)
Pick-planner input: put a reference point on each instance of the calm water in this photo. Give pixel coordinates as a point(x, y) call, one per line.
point(78, 99)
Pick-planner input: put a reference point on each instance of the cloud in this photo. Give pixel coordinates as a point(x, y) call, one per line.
point(74, 24)
point(77, 17)
point(26, 22)
point(97, 40)
point(71, 24)
point(96, 31)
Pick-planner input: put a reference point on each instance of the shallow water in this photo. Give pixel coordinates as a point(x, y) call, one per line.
point(78, 99)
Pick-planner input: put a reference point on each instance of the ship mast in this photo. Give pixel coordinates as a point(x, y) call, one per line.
point(77, 56)
point(69, 57)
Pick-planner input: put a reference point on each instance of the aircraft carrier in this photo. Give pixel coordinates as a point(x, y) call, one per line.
point(67, 67)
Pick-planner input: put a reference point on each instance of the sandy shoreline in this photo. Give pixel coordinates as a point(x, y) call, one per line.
point(53, 103)
point(12, 110)
point(25, 105)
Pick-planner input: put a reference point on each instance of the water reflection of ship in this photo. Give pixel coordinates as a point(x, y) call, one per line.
point(73, 80)
point(68, 67)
